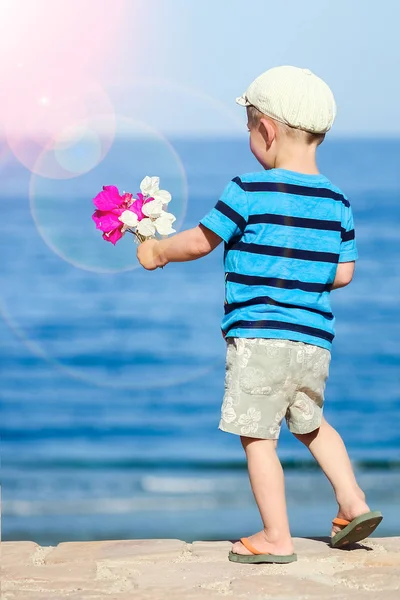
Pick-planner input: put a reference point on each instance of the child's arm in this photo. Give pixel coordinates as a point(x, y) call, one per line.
point(344, 275)
point(348, 249)
point(187, 245)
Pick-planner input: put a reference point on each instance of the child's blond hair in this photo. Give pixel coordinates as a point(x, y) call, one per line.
point(254, 116)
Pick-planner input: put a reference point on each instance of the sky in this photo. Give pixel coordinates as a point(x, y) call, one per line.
point(178, 65)
point(219, 46)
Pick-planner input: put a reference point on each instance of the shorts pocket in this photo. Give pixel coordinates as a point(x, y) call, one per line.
point(264, 373)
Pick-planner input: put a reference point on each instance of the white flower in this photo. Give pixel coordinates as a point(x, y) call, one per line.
point(163, 223)
point(153, 208)
point(249, 421)
point(146, 227)
point(150, 187)
point(162, 196)
point(228, 412)
point(156, 218)
point(129, 218)
point(252, 378)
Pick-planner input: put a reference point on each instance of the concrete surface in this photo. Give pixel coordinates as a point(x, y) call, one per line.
point(174, 570)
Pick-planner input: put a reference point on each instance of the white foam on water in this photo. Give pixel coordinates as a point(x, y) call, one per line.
point(26, 508)
point(179, 485)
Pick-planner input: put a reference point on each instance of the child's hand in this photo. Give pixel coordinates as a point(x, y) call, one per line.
point(148, 255)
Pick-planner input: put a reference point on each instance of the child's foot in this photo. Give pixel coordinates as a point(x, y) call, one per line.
point(261, 542)
point(349, 513)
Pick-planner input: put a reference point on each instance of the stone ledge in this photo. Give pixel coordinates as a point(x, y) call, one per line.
point(152, 569)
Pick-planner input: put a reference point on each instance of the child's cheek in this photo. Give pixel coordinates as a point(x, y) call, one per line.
point(254, 147)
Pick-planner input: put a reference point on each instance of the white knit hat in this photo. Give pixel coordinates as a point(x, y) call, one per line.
point(292, 96)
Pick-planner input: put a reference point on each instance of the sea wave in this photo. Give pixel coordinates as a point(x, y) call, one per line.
point(179, 464)
point(26, 508)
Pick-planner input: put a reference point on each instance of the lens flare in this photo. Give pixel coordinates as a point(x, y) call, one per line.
point(116, 332)
point(116, 365)
point(62, 127)
point(62, 209)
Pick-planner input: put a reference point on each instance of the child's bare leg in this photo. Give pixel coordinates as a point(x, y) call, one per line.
point(328, 449)
point(267, 483)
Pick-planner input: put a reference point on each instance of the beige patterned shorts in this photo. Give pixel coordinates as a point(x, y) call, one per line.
point(268, 380)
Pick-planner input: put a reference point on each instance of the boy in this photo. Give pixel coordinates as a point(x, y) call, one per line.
point(289, 240)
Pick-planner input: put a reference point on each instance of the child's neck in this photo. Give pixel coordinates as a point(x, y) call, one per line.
point(301, 159)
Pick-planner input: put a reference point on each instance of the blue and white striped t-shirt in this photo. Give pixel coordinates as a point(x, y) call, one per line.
point(284, 235)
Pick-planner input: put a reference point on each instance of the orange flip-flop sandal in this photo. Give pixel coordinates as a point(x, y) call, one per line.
point(356, 530)
point(259, 557)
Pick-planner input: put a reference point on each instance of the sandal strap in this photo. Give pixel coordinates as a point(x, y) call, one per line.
point(251, 548)
point(340, 522)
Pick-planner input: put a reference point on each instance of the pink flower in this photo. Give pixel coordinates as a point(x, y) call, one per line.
point(109, 224)
point(113, 236)
point(137, 205)
point(126, 200)
point(110, 205)
point(108, 199)
point(107, 220)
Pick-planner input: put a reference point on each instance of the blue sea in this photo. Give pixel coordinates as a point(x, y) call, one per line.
point(112, 377)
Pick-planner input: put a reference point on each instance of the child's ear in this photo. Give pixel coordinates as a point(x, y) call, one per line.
point(267, 131)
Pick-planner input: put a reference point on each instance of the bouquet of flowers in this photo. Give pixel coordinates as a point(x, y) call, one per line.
point(144, 217)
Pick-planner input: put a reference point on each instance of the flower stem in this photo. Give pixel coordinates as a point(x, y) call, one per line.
point(140, 238)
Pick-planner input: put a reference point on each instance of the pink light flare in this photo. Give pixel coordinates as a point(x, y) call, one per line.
point(72, 36)
point(47, 49)
point(58, 116)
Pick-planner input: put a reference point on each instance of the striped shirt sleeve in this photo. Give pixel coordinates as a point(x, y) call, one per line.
point(348, 247)
point(229, 216)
